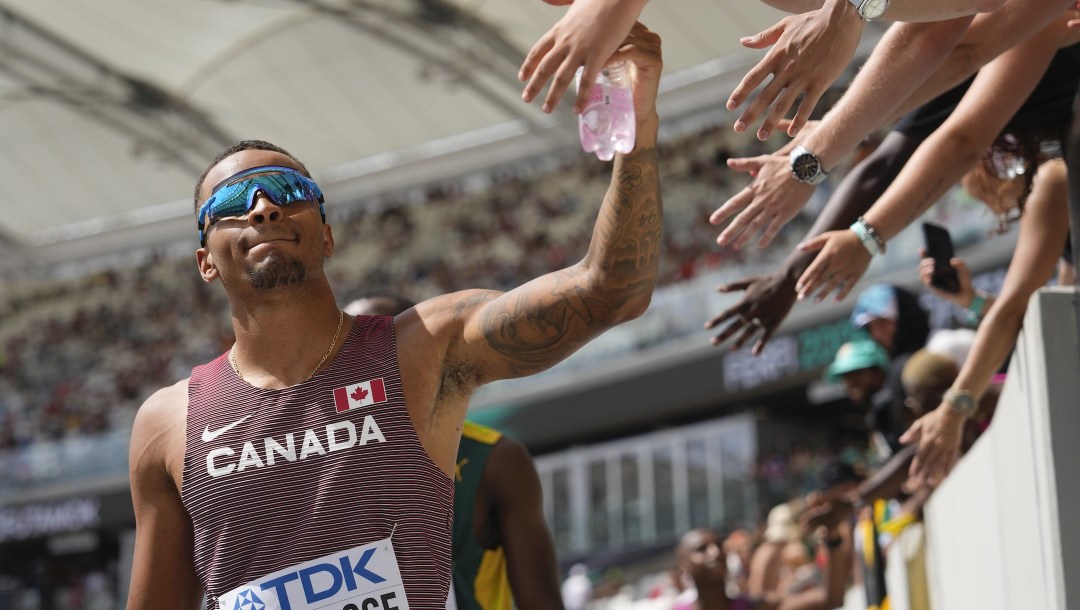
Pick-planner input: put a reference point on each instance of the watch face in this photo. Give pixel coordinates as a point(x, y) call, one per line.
point(806, 167)
point(873, 9)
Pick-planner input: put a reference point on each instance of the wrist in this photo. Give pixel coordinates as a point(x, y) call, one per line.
point(959, 403)
point(844, 13)
point(868, 236)
point(648, 124)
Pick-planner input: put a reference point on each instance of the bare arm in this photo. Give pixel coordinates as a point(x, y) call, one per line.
point(929, 57)
point(163, 568)
point(523, 532)
point(993, 98)
point(988, 36)
point(538, 324)
point(1042, 238)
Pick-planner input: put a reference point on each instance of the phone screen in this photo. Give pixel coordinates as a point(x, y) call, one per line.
point(940, 248)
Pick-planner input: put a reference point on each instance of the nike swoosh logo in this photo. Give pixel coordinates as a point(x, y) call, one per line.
point(208, 436)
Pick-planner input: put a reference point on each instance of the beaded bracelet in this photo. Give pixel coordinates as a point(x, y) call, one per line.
point(869, 237)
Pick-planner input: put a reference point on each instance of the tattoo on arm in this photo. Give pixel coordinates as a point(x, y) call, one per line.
point(549, 318)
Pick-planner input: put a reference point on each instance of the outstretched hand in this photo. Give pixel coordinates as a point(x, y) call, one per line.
point(766, 204)
point(586, 36)
point(939, 434)
point(809, 51)
point(764, 305)
point(840, 262)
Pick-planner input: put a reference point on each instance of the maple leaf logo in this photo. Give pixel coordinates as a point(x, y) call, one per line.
point(359, 394)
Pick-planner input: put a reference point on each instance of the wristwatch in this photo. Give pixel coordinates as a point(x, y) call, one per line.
point(806, 167)
point(961, 401)
point(870, 10)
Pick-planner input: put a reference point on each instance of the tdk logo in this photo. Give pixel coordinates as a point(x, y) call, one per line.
point(248, 601)
point(363, 578)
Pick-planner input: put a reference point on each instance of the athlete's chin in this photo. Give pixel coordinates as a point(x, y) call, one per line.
point(276, 271)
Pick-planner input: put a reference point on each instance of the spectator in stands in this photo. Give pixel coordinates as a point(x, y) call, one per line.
point(864, 368)
point(699, 556)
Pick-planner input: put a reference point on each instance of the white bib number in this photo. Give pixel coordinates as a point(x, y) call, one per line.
point(362, 578)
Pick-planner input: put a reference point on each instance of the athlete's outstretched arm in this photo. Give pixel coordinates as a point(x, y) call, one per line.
point(523, 532)
point(163, 570)
point(524, 331)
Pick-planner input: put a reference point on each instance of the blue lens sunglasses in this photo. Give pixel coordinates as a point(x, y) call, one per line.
point(235, 196)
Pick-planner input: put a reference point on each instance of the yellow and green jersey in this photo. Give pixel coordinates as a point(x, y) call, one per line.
point(479, 578)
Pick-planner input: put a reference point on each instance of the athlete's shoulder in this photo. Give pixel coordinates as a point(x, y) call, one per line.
point(162, 409)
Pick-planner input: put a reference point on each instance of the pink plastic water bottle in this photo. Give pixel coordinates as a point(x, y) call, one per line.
point(607, 124)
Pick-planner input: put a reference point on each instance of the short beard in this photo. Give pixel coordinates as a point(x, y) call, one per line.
point(276, 272)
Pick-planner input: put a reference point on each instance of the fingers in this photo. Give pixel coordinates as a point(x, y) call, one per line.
point(532, 59)
point(752, 219)
point(764, 38)
point(760, 345)
point(758, 73)
point(741, 199)
point(760, 104)
point(548, 65)
point(749, 165)
point(779, 109)
point(753, 78)
point(913, 434)
point(737, 324)
point(742, 284)
point(749, 330)
point(802, 115)
point(563, 77)
point(584, 87)
point(771, 231)
point(845, 287)
point(815, 243)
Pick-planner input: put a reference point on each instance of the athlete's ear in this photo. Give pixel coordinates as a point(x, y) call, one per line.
point(207, 269)
point(328, 241)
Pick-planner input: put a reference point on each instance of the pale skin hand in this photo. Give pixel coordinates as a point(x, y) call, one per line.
point(586, 36)
point(841, 261)
point(767, 204)
point(809, 51)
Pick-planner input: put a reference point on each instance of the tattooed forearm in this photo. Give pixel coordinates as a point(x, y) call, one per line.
point(625, 249)
point(549, 318)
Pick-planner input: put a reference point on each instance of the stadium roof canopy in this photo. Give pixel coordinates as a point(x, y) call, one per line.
point(110, 109)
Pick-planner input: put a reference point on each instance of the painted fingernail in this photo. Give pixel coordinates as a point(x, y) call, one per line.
point(763, 134)
point(740, 126)
point(793, 132)
point(731, 105)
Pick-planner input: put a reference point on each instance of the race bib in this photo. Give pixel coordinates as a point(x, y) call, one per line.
point(362, 578)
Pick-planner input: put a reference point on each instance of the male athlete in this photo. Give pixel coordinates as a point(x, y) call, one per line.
point(310, 466)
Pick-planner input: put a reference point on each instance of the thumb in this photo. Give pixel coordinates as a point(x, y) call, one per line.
point(913, 434)
point(742, 284)
point(814, 243)
point(765, 38)
point(749, 165)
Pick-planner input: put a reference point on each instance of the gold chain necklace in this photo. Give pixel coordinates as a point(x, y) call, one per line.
point(333, 342)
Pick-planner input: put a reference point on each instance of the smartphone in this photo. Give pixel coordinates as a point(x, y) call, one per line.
point(940, 248)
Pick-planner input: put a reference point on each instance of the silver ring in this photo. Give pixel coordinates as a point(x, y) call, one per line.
point(757, 322)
